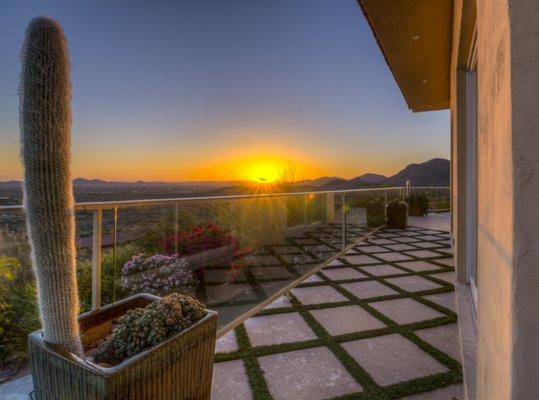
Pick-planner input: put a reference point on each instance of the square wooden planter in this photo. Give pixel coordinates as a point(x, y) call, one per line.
point(179, 368)
point(397, 216)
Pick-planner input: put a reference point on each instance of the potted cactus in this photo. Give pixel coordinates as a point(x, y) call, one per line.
point(174, 362)
point(397, 214)
point(418, 205)
point(375, 212)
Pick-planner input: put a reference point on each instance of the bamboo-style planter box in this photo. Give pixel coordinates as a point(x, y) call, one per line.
point(178, 368)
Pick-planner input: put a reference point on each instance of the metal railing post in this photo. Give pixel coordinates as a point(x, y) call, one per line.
point(176, 226)
point(97, 241)
point(343, 221)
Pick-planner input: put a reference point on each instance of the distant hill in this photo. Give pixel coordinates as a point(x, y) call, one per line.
point(434, 172)
point(371, 179)
point(317, 182)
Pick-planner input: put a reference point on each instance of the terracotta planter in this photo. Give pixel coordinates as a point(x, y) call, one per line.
point(397, 216)
point(415, 210)
point(179, 368)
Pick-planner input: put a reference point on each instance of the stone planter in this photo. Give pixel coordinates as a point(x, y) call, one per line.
point(219, 256)
point(397, 215)
point(179, 368)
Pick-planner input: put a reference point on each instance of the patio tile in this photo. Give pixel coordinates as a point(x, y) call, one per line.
point(444, 338)
point(318, 295)
point(298, 258)
point(229, 292)
point(229, 381)
point(400, 247)
point(446, 261)
point(306, 241)
point(405, 239)
point(393, 257)
point(406, 311)
point(270, 273)
point(271, 287)
point(413, 283)
point(310, 374)
point(373, 249)
point(346, 319)
point(449, 277)
point(392, 359)
point(368, 289)
point(313, 278)
point(281, 302)
point(383, 270)
point(260, 259)
point(335, 263)
point(453, 392)
point(428, 237)
point(277, 329)
point(430, 232)
point(423, 254)
point(360, 259)
point(287, 249)
point(419, 266)
point(446, 300)
point(445, 251)
point(339, 274)
point(226, 343)
point(382, 241)
point(427, 245)
point(224, 275)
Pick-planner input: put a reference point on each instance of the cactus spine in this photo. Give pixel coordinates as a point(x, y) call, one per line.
point(45, 124)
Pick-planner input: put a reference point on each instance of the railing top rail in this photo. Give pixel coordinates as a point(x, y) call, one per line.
point(107, 205)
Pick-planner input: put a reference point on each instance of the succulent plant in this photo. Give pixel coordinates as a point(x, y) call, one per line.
point(45, 125)
point(142, 328)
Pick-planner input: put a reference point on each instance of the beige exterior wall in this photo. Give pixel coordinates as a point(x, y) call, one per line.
point(508, 189)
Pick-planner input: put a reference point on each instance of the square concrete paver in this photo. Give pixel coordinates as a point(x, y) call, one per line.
point(413, 283)
point(223, 275)
point(335, 263)
point(346, 319)
point(392, 257)
point(446, 261)
point(227, 343)
point(360, 259)
point(453, 392)
point(310, 374)
point(449, 277)
point(229, 381)
point(383, 270)
point(298, 258)
point(368, 289)
point(400, 247)
point(228, 293)
point(383, 241)
point(405, 239)
point(277, 329)
point(281, 302)
point(428, 237)
point(423, 254)
point(313, 278)
point(260, 273)
point(406, 311)
point(372, 249)
point(446, 300)
point(392, 359)
point(427, 245)
point(318, 295)
point(419, 266)
point(339, 274)
point(444, 338)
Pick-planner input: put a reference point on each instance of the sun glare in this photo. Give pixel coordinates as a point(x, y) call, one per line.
point(264, 174)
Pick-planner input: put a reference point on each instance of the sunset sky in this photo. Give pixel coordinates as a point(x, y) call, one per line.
point(212, 90)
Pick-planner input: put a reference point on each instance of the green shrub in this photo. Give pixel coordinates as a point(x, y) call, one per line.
point(375, 212)
point(419, 205)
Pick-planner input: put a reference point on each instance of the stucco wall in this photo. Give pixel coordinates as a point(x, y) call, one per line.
point(508, 231)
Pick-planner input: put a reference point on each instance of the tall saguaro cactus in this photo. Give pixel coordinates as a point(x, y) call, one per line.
point(45, 124)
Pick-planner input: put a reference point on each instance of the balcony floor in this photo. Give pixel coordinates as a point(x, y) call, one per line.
point(379, 323)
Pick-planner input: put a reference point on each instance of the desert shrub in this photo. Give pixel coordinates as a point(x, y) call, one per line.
point(419, 204)
point(143, 328)
point(157, 274)
point(375, 212)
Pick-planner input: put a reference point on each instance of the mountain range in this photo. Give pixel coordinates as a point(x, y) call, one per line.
point(434, 172)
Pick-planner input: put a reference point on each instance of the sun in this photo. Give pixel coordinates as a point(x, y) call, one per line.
point(264, 174)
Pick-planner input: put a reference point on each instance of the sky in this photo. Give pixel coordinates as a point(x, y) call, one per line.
point(220, 90)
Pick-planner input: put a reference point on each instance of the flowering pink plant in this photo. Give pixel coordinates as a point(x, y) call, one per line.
point(199, 239)
point(157, 274)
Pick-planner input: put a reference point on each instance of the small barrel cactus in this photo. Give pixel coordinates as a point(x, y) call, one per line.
point(143, 328)
point(45, 124)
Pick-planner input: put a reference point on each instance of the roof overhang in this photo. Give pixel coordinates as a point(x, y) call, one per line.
point(415, 38)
